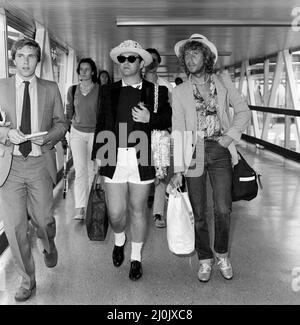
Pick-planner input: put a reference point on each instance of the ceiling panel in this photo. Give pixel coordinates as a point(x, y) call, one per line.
point(90, 26)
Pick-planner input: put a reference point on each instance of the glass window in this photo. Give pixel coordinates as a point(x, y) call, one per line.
point(296, 69)
point(59, 63)
point(282, 129)
point(12, 36)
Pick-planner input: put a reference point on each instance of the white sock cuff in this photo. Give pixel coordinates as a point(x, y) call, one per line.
point(120, 238)
point(136, 249)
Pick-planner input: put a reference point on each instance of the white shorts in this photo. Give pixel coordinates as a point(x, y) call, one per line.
point(127, 168)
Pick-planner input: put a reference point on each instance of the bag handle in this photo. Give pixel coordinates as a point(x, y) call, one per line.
point(242, 158)
point(95, 181)
point(190, 212)
point(257, 174)
point(74, 87)
point(259, 181)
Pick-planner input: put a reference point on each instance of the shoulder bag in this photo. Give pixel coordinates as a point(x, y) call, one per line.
point(245, 181)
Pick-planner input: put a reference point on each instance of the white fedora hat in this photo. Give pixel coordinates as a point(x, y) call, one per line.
point(196, 38)
point(130, 46)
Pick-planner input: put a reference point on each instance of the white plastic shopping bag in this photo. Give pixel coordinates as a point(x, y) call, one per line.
point(180, 224)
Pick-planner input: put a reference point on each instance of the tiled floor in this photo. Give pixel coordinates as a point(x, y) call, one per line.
point(265, 253)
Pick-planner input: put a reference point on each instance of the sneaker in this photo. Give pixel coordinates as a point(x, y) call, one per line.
point(79, 214)
point(204, 272)
point(225, 267)
point(159, 221)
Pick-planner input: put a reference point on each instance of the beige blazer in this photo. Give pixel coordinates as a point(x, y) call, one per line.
point(233, 119)
point(50, 118)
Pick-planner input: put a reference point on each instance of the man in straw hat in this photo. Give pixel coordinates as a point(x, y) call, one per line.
point(127, 112)
point(201, 112)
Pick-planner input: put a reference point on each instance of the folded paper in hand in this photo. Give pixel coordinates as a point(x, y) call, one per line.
point(34, 135)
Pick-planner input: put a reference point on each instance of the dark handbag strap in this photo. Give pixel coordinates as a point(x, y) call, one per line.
point(242, 158)
point(256, 173)
point(96, 182)
point(73, 94)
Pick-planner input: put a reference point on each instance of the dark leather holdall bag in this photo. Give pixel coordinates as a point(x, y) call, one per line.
point(96, 212)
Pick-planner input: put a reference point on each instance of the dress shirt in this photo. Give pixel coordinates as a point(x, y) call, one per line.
point(138, 85)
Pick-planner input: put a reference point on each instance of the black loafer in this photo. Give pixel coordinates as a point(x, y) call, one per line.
point(136, 270)
point(118, 254)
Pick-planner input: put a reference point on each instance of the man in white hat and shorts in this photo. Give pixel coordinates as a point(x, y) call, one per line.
point(126, 119)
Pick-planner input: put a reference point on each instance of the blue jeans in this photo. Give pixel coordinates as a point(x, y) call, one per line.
point(217, 164)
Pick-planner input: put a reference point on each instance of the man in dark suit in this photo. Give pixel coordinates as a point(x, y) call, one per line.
point(28, 165)
point(129, 110)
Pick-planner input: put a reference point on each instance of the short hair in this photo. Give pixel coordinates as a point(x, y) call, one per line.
point(22, 42)
point(93, 67)
point(108, 77)
point(152, 50)
point(208, 55)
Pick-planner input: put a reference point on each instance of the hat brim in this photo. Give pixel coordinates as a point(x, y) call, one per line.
point(206, 42)
point(146, 56)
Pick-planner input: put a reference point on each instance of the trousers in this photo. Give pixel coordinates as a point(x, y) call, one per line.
point(28, 190)
point(81, 146)
point(217, 165)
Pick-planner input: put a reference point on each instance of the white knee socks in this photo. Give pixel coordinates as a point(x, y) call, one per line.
point(120, 238)
point(136, 249)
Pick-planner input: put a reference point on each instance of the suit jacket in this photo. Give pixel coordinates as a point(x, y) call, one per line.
point(109, 100)
point(233, 113)
point(50, 118)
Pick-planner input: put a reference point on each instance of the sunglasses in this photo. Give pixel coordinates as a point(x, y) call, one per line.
point(130, 58)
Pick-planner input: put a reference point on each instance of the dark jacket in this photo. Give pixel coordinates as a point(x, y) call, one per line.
point(109, 100)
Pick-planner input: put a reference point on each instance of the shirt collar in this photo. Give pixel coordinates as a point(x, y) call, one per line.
point(138, 85)
point(19, 80)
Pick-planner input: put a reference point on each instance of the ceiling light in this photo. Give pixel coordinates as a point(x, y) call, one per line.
point(125, 22)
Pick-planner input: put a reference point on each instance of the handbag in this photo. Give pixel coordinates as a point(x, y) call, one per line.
point(180, 223)
point(160, 145)
point(96, 212)
point(244, 183)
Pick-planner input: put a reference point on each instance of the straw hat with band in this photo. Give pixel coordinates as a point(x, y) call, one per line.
point(196, 38)
point(130, 46)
